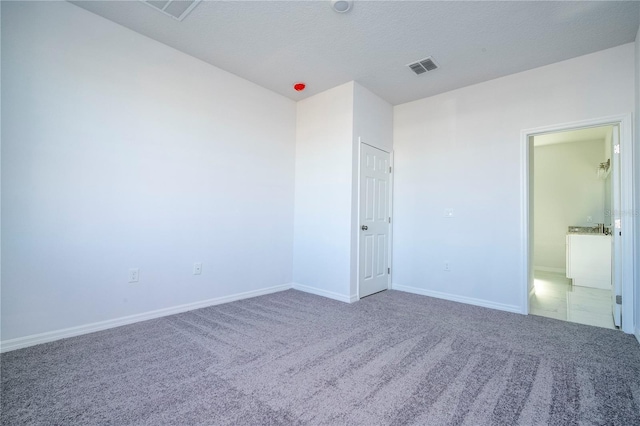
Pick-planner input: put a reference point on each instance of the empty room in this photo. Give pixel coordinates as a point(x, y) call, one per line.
point(320, 212)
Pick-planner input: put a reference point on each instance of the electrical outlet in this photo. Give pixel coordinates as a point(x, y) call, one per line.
point(134, 275)
point(448, 212)
point(447, 267)
point(197, 268)
point(589, 219)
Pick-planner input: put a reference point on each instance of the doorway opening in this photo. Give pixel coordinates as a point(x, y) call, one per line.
point(573, 193)
point(577, 241)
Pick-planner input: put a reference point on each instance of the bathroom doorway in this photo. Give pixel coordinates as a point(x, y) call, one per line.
point(577, 186)
point(572, 228)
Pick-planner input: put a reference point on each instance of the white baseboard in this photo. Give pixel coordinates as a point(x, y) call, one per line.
point(325, 293)
point(50, 336)
point(547, 269)
point(462, 299)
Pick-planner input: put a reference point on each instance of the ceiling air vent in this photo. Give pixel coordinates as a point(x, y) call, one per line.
point(423, 65)
point(177, 9)
point(417, 68)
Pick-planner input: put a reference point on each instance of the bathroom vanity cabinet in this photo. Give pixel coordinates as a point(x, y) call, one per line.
point(589, 260)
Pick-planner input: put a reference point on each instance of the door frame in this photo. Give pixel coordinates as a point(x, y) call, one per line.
point(626, 203)
point(358, 224)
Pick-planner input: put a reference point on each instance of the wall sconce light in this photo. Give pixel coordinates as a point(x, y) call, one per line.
point(604, 169)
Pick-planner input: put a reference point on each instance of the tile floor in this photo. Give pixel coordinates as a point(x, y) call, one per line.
point(555, 297)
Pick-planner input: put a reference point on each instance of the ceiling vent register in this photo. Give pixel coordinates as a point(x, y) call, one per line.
point(177, 9)
point(423, 65)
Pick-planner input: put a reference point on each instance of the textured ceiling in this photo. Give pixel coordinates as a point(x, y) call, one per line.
point(277, 43)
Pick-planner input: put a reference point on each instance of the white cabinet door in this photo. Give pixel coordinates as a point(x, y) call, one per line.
point(589, 260)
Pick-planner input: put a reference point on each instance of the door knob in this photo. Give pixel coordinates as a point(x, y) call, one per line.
point(365, 227)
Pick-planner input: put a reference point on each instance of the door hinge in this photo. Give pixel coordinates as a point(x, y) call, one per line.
point(389, 220)
point(389, 169)
point(388, 270)
point(618, 299)
point(616, 149)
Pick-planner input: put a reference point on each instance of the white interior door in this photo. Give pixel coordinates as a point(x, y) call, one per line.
point(616, 241)
point(374, 220)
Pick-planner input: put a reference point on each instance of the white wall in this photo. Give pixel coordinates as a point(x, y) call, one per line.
point(323, 199)
point(372, 119)
point(119, 152)
point(462, 150)
point(567, 190)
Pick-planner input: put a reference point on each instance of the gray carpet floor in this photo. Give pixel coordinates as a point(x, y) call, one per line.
point(293, 358)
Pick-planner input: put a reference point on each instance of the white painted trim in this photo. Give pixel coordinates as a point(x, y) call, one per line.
point(525, 250)
point(359, 150)
point(325, 293)
point(625, 122)
point(638, 334)
point(628, 242)
point(50, 336)
point(461, 299)
point(393, 219)
point(548, 269)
